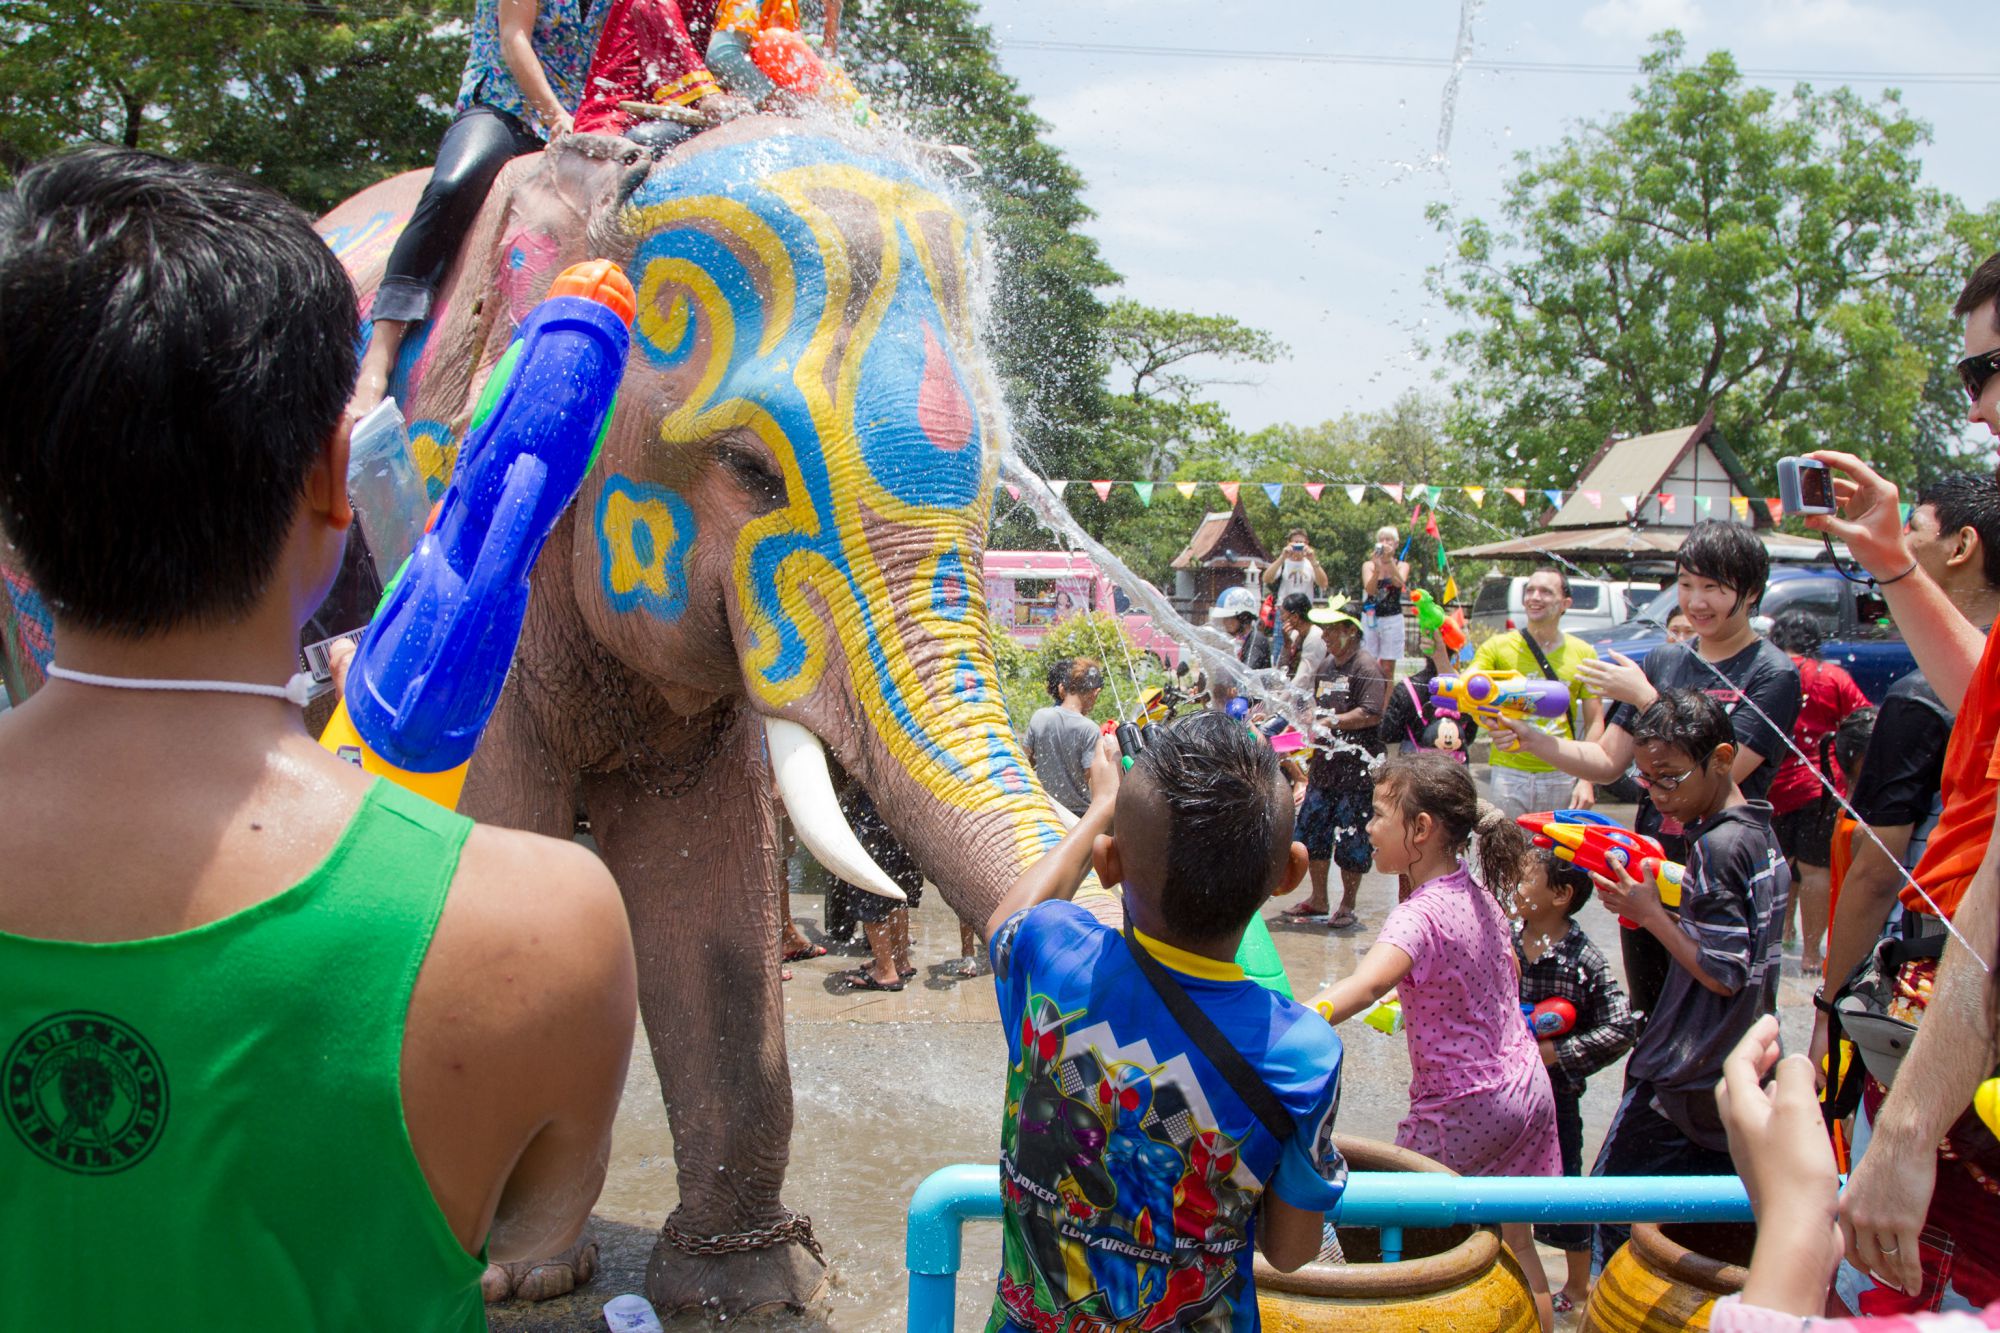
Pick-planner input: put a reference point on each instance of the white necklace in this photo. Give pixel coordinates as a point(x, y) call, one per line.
point(297, 690)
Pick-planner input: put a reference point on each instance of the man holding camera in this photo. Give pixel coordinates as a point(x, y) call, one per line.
point(1296, 570)
point(1903, 1187)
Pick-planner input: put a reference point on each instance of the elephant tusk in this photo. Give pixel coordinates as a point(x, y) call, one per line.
point(806, 787)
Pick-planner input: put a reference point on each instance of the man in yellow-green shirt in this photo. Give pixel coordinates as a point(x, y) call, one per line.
point(1520, 782)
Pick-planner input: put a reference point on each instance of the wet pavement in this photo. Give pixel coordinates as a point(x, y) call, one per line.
point(889, 1087)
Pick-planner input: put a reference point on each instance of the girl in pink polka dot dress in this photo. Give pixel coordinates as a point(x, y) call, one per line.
point(1480, 1099)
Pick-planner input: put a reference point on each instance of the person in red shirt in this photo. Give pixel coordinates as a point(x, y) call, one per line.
point(1802, 791)
point(650, 51)
point(1902, 1184)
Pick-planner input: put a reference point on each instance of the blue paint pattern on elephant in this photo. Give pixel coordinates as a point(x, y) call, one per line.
point(951, 597)
point(896, 447)
point(641, 568)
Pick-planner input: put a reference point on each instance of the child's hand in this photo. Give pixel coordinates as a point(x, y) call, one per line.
point(1778, 1141)
point(1105, 770)
point(1548, 1045)
point(1637, 900)
point(1618, 678)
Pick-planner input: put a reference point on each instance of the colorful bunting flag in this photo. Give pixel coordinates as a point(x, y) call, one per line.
point(1186, 488)
point(1704, 504)
point(1272, 489)
point(1740, 504)
point(1103, 489)
point(1450, 593)
point(1355, 493)
point(1432, 493)
point(1518, 494)
point(1777, 508)
point(1476, 494)
point(1229, 489)
point(1313, 488)
point(1596, 498)
point(1631, 503)
point(1058, 487)
point(1013, 490)
point(1555, 498)
point(1145, 489)
point(1395, 492)
point(1668, 502)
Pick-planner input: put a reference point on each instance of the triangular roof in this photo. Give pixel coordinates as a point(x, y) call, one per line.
point(1225, 538)
point(1644, 467)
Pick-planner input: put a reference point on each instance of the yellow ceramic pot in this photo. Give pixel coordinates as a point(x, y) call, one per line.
point(1667, 1278)
point(1454, 1278)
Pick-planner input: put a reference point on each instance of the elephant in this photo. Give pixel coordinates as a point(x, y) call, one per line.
point(777, 554)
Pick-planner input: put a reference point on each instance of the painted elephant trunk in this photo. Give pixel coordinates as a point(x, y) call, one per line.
point(962, 798)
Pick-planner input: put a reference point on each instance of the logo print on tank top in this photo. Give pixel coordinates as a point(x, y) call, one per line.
point(85, 1092)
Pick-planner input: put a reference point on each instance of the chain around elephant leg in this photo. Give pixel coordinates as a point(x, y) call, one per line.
point(699, 869)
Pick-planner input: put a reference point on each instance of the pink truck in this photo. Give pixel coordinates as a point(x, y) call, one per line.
point(1028, 591)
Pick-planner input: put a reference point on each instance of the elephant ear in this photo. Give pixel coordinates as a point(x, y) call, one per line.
point(546, 211)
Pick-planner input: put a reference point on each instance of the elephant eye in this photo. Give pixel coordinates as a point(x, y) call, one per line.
point(756, 475)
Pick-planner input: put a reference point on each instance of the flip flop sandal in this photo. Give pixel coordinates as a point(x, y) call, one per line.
point(862, 979)
point(801, 955)
point(1303, 912)
point(1562, 1303)
point(906, 972)
point(1342, 920)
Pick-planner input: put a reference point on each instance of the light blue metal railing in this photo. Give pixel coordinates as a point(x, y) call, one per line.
point(1387, 1200)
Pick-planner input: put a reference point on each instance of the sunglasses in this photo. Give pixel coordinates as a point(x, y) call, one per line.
point(1975, 371)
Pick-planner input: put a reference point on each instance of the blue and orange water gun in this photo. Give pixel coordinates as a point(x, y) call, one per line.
point(430, 667)
point(1587, 839)
point(1488, 696)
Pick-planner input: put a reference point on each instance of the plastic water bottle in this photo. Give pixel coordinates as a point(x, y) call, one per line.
point(383, 484)
point(631, 1314)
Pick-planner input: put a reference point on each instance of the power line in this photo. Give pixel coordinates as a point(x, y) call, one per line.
point(1384, 60)
point(1967, 77)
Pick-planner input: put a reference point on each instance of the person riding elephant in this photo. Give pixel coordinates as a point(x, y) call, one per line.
point(775, 556)
point(527, 73)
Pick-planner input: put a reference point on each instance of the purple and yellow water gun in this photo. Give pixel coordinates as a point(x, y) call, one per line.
point(1489, 696)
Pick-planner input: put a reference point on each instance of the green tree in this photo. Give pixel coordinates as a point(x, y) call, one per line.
point(1775, 257)
point(934, 67)
point(1159, 414)
point(315, 99)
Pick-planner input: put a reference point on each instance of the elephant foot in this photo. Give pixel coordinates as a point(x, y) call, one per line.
point(785, 1275)
point(541, 1279)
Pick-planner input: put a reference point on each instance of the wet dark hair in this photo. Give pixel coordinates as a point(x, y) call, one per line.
point(1730, 554)
point(1565, 875)
point(1058, 673)
point(1562, 575)
point(1083, 676)
point(1688, 720)
point(1798, 633)
point(1297, 604)
point(1850, 741)
point(1980, 288)
point(1430, 784)
point(1228, 822)
point(1968, 500)
point(178, 346)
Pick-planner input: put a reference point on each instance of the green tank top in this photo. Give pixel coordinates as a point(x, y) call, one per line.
point(205, 1130)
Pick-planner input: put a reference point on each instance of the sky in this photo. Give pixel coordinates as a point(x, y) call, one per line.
point(1291, 193)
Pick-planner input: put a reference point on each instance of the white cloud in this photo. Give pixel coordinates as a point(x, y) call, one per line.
point(1636, 20)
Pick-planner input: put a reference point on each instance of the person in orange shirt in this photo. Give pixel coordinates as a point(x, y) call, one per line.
point(1903, 1187)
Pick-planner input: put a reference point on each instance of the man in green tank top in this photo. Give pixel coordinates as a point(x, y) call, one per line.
point(277, 1049)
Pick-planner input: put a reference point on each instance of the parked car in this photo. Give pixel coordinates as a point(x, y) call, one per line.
point(1859, 633)
point(1029, 591)
point(1595, 604)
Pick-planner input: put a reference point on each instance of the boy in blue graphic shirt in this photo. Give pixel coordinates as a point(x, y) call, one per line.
point(1134, 1170)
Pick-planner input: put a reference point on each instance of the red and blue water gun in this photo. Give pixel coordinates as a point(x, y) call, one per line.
point(1587, 839)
